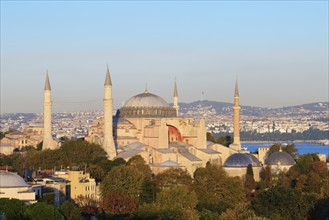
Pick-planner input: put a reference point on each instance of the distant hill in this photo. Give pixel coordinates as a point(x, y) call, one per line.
point(225, 108)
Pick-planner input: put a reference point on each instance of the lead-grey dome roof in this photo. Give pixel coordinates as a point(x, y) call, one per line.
point(280, 157)
point(241, 160)
point(146, 99)
point(11, 180)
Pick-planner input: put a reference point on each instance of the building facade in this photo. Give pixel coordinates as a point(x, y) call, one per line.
point(147, 125)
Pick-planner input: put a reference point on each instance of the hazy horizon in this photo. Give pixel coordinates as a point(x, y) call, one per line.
point(278, 50)
point(116, 108)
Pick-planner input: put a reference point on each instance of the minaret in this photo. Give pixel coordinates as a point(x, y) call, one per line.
point(48, 142)
point(236, 112)
point(176, 106)
point(108, 143)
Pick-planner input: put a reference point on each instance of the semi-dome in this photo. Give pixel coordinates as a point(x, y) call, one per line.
point(280, 158)
point(146, 99)
point(241, 160)
point(11, 180)
point(146, 105)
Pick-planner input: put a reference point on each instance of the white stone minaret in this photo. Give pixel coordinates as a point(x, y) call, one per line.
point(175, 105)
point(48, 142)
point(108, 143)
point(236, 112)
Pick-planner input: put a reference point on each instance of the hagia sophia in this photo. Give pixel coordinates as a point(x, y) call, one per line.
point(148, 126)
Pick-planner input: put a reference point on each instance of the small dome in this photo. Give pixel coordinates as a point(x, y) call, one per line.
point(255, 161)
point(241, 160)
point(146, 100)
point(282, 158)
point(11, 180)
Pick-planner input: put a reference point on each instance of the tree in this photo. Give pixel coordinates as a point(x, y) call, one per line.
point(320, 168)
point(27, 148)
point(286, 202)
point(304, 162)
point(216, 191)
point(324, 191)
point(48, 198)
point(206, 214)
point(138, 162)
point(249, 181)
point(123, 179)
point(96, 172)
point(148, 211)
point(41, 211)
point(12, 208)
point(74, 153)
point(266, 176)
point(210, 137)
point(88, 206)
point(173, 177)
point(225, 140)
point(70, 211)
point(39, 146)
point(64, 139)
point(148, 189)
point(118, 204)
point(171, 203)
point(2, 135)
point(290, 149)
point(177, 196)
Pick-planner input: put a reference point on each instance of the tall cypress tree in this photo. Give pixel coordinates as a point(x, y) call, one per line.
point(249, 183)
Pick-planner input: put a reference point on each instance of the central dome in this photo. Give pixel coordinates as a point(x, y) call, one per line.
point(146, 105)
point(146, 100)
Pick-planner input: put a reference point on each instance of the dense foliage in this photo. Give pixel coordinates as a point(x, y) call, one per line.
point(284, 202)
point(290, 149)
point(222, 139)
point(130, 191)
point(13, 208)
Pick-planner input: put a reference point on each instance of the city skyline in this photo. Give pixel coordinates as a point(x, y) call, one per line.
point(279, 50)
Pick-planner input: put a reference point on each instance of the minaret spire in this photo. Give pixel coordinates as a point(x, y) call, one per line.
point(236, 112)
point(47, 83)
point(108, 80)
point(48, 142)
point(236, 93)
point(108, 143)
point(175, 105)
point(175, 90)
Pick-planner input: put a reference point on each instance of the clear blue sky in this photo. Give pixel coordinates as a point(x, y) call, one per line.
point(278, 49)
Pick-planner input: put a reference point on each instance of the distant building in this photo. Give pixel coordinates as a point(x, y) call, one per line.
point(53, 186)
point(80, 184)
point(31, 136)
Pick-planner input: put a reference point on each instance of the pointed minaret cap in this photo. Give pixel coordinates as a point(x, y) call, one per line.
point(47, 83)
point(175, 90)
point(108, 81)
point(236, 93)
point(146, 90)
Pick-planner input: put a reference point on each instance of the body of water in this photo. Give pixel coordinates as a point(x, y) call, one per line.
point(303, 148)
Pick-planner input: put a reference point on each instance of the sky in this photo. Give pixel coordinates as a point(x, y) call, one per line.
point(278, 50)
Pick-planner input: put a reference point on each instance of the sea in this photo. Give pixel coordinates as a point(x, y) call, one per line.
point(303, 148)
